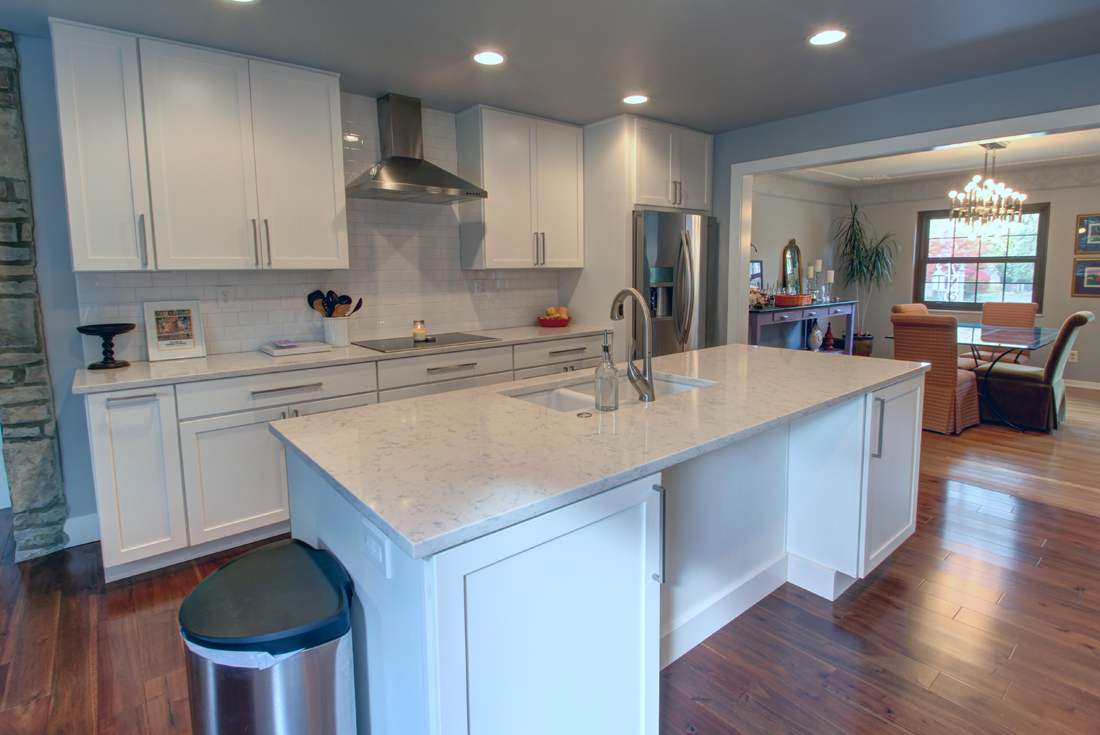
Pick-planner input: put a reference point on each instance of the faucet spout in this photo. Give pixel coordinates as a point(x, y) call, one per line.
point(641, 380)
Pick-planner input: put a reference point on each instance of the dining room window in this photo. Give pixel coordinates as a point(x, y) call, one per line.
point(957, 270)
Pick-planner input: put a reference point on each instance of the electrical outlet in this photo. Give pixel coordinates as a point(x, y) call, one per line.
point(226, 298)
point(1073, 355)
point(479, 286)
point(379, 549)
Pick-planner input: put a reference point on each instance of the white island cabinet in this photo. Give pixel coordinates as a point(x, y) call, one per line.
point(524, 569)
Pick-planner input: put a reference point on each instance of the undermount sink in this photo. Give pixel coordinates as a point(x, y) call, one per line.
point(579, 395)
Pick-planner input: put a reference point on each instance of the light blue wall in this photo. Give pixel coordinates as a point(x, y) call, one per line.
point(56, 282)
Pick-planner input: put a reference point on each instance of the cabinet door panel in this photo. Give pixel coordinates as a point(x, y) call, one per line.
point(299, 167)
point(103, 146)
point(136, 461)
point(509, 151)
point(654, 159)
point(234, 474)
point(695, 167)
point(561, 193)
point(202, 169)
point(891, 502)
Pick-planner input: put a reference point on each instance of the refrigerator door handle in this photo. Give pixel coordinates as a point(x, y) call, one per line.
point(677, 293)
point(685, 246)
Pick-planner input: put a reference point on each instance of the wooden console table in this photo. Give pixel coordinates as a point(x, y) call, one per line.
point(822, 312)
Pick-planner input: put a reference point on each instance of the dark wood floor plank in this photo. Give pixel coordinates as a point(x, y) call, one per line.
point(74, 700)
point(993, 708)
point(681, 715)
point(33, 655)
point(29, 718)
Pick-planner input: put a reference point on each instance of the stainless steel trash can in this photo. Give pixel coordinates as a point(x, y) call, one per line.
point(268, 639)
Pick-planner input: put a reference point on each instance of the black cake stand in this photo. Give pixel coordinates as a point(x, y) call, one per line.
point(108, 332)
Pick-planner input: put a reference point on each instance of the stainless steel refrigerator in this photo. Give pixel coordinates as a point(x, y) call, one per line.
point(676, 269)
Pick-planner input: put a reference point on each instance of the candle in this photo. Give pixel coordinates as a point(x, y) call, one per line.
point(829, 276)
point(817, 266)
point(420, 332)
point(809, 271)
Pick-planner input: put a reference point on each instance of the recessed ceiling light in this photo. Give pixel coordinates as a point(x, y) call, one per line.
point(351, 137)
point(827, 37)
point(489, 58)
point(245, 2)
point(635, 99)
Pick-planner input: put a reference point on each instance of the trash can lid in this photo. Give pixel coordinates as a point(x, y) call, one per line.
point(281, 597)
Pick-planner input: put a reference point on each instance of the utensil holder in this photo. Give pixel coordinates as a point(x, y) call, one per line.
point(337, 333)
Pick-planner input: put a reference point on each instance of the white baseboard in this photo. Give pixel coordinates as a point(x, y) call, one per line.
point(82, 529)
point(690, 633)
point(821, 581)
point(1087, 385)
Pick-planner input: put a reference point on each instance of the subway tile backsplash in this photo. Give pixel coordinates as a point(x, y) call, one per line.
point(404, 264)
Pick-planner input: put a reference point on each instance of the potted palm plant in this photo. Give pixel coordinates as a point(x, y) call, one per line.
point(867, 263)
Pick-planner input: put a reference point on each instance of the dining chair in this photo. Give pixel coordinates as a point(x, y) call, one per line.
point(966, 360)
point(1008, 314)
point(1031, 396)
point(950, 393)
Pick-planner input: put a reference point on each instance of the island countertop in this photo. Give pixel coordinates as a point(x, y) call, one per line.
point(438, 471)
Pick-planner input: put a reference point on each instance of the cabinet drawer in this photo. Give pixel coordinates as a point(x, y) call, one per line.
point(443, 386)
point(447, 366)
point(816, 312)
point(840, 310)
point(555, 351)
point(565, 367)
point(230, 395)
point(781, 317)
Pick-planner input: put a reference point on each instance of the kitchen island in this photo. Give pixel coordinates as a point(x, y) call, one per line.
point(524, 569)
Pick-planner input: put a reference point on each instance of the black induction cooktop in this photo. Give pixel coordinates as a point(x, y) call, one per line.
point(406, 344)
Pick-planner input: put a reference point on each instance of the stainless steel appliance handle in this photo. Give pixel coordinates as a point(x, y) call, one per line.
point(685, 242)
point(256, 243)
point(536, 236)
point(679, 192)
point(142, 397)
point(659, 577)
point(267, 233)
point(881, 422)
point(566, 352)
point(677, 271)
point(452, 367)
point(144, 242)
point(284, 390)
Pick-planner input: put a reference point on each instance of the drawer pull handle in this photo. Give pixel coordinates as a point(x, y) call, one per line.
point(567, 352)
point(142, 397)
point(783, 317)
point(452, 367)
point(811, 313)
point(307, 386)
point(838, 311)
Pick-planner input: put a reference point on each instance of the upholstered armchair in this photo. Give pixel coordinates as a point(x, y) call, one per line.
point(1033, 396)
point(950, 394)
point(966, 361)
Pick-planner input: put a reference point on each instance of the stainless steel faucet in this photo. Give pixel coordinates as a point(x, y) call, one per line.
point(643, 383)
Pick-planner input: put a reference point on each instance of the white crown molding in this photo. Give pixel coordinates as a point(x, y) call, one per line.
point(1032, 180)
point(804, 190)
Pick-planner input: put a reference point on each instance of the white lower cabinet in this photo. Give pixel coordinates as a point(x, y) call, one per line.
point(136, 467)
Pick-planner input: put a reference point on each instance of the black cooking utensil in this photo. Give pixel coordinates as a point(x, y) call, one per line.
point(358, 306)
point(330, 303)
point(314, 296)
point(346, 300)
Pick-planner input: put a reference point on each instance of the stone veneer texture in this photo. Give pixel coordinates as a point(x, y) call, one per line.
point(31, 453)
point(404, 262)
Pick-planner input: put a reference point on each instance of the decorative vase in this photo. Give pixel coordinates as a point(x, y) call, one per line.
point(862, 345)
point(816, 339)
point(828, 343)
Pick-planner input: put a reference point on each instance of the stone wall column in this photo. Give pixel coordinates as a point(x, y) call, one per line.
point(31, 451)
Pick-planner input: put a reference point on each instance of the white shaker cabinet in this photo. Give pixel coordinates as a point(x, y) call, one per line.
point(103, 148)
point(136, 469)
point(672, 166)
point(533, 170)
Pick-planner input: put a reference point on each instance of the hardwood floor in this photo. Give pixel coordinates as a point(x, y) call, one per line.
point(987, 620)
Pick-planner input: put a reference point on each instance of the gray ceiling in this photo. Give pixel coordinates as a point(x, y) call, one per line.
point(714, 65)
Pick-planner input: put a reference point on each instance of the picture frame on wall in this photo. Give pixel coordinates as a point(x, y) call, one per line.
point(173, 330)
point(1086, 277)
point(756, 274)
point(1088, 234)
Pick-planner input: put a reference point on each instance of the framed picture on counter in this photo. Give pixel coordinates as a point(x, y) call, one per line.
point(1086, 277)
point(756, 274)
point(173, 330)
point(1088, 234)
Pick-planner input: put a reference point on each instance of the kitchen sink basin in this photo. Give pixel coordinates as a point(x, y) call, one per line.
point(579, 395)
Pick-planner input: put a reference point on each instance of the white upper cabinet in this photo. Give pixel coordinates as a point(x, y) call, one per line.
point(299, 167)
point(202, 167)
point(672, 166)
point(103, 148)
point(533, 171)
point(201, 160)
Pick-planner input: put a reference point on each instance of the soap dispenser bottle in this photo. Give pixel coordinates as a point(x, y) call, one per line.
point(607, 380)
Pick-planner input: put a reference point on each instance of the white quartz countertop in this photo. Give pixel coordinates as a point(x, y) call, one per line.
point(231, 365)
point(437, 471)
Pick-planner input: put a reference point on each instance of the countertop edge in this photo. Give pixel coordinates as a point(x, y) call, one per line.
point(451, 539)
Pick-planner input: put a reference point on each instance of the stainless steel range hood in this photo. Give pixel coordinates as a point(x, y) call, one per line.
point(403, 175)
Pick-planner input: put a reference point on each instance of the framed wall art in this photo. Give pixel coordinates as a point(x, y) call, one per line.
point(1086, 277)
point(173, 330)
point(1088, 234)
point(756, 274)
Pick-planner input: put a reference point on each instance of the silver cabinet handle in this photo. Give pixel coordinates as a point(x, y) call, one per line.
point(536, 236)
point(144, 241)
point(284, 390)
point(542, 236)
point(881, 422)
point(810, 313)
point(142, 397)
point(783, 317)
point(282, 414)
point(452, 367)
point(267, 233)
point(839, 311)
point(256, 243)
point(659, 577)
point(566, 352)
point(294, 413)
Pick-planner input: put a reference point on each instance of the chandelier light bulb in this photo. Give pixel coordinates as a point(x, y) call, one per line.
point(977, 178)
point(952, 194)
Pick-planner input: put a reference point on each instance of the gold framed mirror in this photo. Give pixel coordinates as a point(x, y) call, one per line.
point(790, 267)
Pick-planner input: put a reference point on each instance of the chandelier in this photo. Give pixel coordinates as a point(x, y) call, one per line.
point(983, 201)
